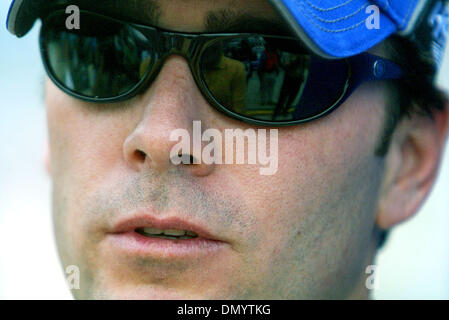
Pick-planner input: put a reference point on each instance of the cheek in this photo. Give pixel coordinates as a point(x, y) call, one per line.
point(84, 141)
point(324, 156)
point(318, 210)
point(84, 146)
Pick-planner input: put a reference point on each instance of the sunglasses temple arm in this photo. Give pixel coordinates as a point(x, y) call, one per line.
point(369, 67)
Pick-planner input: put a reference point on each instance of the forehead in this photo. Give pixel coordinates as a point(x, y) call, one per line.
point(199, 15)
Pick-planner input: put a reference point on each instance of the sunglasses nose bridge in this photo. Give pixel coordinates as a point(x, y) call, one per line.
point(176, 44)
point(182, 45)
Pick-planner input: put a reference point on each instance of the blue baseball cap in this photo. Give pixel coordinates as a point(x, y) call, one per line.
point(330, 28)
point(342, 28)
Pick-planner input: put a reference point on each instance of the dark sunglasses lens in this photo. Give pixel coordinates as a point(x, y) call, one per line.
point(272, 79)
point(103, 59)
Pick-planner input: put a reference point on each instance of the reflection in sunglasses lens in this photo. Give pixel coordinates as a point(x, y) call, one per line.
point(103, 59)
point(271, 79)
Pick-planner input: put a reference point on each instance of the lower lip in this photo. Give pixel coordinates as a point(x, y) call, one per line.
point(140, 245)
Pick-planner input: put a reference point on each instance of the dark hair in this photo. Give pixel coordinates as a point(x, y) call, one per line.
point(414, 95)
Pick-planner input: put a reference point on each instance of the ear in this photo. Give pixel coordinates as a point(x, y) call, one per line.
point(411, 166)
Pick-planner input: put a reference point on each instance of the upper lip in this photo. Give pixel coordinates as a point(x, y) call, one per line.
point(147, 221)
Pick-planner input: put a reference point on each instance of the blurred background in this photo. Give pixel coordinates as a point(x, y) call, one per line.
point(414, 264)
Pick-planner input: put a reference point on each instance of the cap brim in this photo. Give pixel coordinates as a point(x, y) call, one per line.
point(21, 16)
point(23, 13)
point(338, 30)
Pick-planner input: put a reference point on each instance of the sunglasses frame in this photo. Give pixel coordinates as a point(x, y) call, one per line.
point(191, 46)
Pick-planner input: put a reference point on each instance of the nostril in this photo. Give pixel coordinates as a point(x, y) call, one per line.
point(191, 159)
point(140, 155)
point(186, 158)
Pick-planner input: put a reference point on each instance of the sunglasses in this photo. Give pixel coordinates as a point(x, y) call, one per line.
point(259, 79)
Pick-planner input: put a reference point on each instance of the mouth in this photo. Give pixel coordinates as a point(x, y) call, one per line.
point(172, 238)
point(169, 234)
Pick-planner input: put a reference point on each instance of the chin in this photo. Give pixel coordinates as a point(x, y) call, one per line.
point(144, 292)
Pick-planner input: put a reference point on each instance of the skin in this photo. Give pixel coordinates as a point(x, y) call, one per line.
point(309, 231)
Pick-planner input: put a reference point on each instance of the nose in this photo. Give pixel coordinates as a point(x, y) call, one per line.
point(172, 102)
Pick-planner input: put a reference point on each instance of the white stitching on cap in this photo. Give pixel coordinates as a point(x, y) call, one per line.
point(328, 9)
point(339, 19)
point(329, 30)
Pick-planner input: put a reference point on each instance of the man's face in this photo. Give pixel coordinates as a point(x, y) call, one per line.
point(304, 232)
